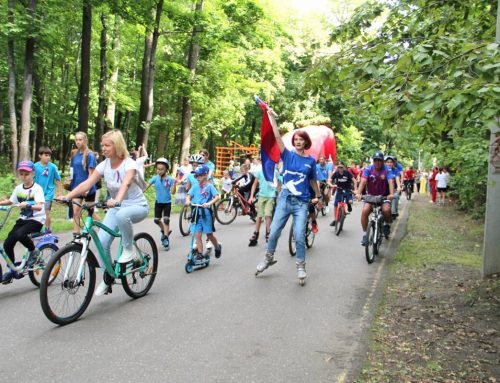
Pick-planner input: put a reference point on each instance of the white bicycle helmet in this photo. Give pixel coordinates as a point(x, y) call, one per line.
point(162, 160)
point(197, 158)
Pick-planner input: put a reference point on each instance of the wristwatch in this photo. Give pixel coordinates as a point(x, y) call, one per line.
point(118, 204)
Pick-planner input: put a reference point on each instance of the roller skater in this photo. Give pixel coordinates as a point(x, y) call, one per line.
point(299, 176)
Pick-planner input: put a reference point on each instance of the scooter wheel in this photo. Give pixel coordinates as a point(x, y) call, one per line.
point(302, 281)
point(189, 268)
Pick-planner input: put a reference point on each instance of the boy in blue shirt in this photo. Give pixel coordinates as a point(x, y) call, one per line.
point(205, 194)
point(164, 187)
point(48, 177)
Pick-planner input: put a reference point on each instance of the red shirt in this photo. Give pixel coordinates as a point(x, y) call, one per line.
point(409, 174)
point(354, 171)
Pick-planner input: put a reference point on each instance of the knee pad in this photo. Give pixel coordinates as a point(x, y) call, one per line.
point(157, 221)
point(166, 220)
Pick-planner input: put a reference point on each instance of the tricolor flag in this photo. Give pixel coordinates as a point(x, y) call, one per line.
point(269, 150)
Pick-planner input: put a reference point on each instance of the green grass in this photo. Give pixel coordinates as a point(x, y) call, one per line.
point(441, 235)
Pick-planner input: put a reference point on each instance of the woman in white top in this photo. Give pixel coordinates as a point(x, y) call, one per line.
point(442, 185)
point(127, 204)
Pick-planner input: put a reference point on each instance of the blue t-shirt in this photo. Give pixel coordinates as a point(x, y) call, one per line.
point(81, 174)
point(322, 171)
point(266, 189)
point(162, 188)
point(192, 180)
point(200, 195)
point(211, 166)
point(45, 176)
point(298, 171)
point(377, 180)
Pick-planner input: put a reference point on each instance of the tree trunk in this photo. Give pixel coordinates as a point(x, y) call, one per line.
point(12, 88)
point(38, 109)
point(83, 102)
point(147, 81)
point(24, 136)
point(101, 110)
point(187, 112)
point(2, 129)
point(113, 79)
point(161, 143)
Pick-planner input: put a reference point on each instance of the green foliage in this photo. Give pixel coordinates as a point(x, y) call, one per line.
point(425, 78)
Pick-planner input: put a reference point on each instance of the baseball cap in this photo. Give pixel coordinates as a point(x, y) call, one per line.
point(200, 170)
point(26, 165)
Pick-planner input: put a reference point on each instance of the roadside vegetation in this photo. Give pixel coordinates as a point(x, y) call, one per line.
point(438, 320)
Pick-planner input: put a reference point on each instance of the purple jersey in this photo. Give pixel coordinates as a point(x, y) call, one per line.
point(377, 180)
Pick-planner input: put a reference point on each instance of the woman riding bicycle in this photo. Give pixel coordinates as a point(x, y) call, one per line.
point(127, 203)
point(299, 174)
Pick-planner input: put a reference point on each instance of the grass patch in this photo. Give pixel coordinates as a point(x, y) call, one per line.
point(438, 320)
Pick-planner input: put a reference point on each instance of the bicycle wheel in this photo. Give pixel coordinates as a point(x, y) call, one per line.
point(370, 245)
point(226, 211)
point(339, 223)
point(309, 235)
point(185, 220)
point(63, 299)
point(137, 284)
point(46, 252)
point(408, 194)
point(291, 243)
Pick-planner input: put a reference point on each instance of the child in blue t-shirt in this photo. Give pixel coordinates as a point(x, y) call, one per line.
point(48, 177)
point(164, 187)
point(205, 194)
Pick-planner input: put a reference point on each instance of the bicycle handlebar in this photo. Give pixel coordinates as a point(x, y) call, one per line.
point(85, 206)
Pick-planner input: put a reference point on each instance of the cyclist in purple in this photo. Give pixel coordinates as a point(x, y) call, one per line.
point(379, 181)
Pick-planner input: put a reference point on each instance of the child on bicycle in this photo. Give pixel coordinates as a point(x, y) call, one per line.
point(205, 194)
point(29, 196)
point(343, 181)
point(244, 183)
point(164, 187)
point(48, 177)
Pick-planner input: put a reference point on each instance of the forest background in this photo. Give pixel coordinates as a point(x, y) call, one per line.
point(415, 78)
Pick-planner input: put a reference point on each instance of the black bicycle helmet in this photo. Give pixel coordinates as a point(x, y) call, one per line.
point(378, 155)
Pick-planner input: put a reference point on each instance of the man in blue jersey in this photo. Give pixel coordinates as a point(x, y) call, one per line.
point(379, 181)
point(397, 169)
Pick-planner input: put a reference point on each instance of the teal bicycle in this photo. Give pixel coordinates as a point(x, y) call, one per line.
point(66, 297)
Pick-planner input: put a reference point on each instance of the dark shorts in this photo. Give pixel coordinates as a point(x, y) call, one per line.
point(162, 209)
point(442, 190)
point(87, 198)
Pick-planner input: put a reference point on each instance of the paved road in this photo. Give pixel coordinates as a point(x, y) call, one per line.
point(219, 324)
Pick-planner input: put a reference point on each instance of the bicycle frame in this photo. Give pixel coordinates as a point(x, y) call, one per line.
point(376, 217)
point(114, 271)
point(342, 204)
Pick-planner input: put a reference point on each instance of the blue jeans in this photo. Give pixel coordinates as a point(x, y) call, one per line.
point(122, 219)
point(287, 204)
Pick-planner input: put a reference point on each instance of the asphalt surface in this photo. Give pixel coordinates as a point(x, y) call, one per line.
point(218, 324)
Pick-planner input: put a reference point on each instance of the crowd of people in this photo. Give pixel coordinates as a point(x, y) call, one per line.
point(299, 183)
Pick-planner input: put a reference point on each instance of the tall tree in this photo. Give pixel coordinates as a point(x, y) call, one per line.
point(192, 61)
point(147, 80)
point(101, 110)
point(24, 136)
point(83, 102)
point(113, 78)
point(12, 88)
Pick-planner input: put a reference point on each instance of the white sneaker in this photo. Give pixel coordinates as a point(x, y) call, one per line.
point(327, 209)
point(102, 289)
point(127, 255)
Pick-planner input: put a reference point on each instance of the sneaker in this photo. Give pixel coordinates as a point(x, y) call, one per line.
point(33, 258)
point(314, 227)
point(332, 223)
point(102, 289)
point(127, 255)
point(7, 278)
point(327, 209)
point(218, 251)
point(349, 207)
point(198, 256)
point(364, 241)
point(387, 230)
